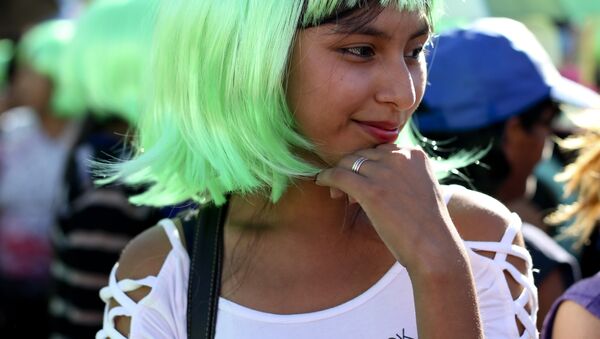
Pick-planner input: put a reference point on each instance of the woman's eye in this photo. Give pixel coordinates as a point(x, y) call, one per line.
point(416, 53)
point(360, 51)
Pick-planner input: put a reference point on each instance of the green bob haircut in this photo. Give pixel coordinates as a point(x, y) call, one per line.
point(43, 49)
point(107, 58)
point(217, 121)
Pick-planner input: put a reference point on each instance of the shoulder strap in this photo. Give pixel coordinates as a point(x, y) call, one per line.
point(189, 225)
point(204, 242)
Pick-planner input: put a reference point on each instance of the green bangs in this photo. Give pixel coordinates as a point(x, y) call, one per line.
point(217, 120)
point(316, 12)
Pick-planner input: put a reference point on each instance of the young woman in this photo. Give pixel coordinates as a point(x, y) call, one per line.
point(294, 108)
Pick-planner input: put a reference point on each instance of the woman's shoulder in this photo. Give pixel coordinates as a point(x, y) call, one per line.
point(149, 267)
point(490, 230)
point(146, 253)
point(482, 218)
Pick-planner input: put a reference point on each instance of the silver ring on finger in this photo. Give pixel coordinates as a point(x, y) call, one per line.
point(357, 164)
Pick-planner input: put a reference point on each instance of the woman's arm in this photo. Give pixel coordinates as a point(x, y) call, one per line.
point(400, 195)
point(574, 321)
point(445, 299)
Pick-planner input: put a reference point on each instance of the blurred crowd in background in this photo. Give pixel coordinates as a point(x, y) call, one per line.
point(71, 74)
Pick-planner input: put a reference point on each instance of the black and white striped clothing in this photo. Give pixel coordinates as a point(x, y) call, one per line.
point(94, 226)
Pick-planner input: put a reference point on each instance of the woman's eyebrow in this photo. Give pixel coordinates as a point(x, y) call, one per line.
point(375, 32)
point(425, 29)
point(372, 31)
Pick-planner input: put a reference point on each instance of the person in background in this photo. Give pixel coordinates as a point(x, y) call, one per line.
point(34, 140)
point(6, 60)
point(295, 115)
point(581, 177)
point(493, 88)
point(105, 64)
point(576, 314)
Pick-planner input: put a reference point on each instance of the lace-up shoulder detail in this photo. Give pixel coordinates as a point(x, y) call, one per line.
point(502, 268)
point(528, 296)
point(126, 306)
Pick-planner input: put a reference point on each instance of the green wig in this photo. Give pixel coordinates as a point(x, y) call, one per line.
point(217, 120)
point(107, 58)
point(43, 48)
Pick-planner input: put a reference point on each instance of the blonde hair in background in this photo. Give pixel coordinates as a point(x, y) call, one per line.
point(581, 176)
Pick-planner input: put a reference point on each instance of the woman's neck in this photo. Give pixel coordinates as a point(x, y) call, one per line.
point(274, 252)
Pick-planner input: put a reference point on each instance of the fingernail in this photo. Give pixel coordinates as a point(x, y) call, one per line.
point(335, 193)
point(316, 178)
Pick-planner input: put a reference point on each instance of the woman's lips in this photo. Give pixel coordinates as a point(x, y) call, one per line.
point(382, 131)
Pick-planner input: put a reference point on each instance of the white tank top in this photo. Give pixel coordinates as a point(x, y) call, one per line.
point(385, 311)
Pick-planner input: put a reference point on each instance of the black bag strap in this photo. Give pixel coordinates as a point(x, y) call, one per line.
point(204, 241)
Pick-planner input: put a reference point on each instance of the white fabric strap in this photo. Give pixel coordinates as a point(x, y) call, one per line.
point(173, 234)
point(501, 250)
point(127, 307)
point(449, 190)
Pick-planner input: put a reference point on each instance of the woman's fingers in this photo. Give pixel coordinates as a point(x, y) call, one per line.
point(386, 169)
point(357, 163)
point(363, 164)
point(342, 182)
point(336, 193)
point(363, 160)
point(341, 179)
point(392, 185)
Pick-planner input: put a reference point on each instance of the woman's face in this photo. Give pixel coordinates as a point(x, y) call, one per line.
point(356, 91)
point(31, 88)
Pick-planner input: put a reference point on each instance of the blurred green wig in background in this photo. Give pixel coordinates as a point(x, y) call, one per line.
point(107, 58)
point(43, 49)
point(6, 55)
point(217, 120)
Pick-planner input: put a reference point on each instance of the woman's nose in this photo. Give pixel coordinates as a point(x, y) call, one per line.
point(397, 86)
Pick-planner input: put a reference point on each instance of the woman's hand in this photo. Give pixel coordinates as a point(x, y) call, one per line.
point(398, 192)
point(400, 195)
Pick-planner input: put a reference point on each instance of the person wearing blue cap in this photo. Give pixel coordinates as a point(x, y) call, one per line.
point(492, 87)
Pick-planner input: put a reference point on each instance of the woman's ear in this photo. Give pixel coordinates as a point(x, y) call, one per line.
point(513, 139)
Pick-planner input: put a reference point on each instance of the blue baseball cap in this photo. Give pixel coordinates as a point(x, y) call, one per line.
point(488, 72)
